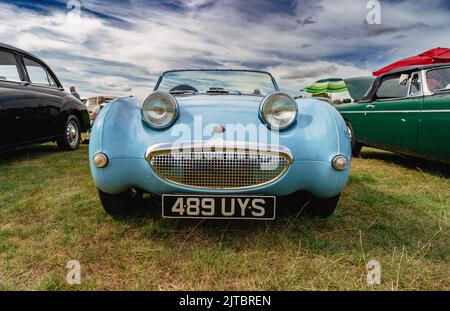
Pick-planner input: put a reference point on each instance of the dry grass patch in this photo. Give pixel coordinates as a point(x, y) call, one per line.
point(394, 210)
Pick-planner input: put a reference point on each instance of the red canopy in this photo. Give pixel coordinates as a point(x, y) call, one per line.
point(433, 56)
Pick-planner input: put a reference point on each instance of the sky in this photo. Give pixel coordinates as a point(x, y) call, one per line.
point(121, 47)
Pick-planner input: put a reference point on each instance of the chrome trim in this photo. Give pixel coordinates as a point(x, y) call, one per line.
point(437, 110)
point(103, 156)
point(161, 127)
point(263, 102)
point(335, 159)
point(72, 133)
point(200, 145)
point(383, 111)
point(419, 73)
point(223, 146)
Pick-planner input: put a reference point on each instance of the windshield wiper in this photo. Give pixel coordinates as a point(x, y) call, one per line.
point(220, 90)
point(182, 92)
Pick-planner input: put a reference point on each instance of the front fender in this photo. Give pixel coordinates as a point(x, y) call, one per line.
point(71, 105)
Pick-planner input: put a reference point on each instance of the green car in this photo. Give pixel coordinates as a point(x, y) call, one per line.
point(405, 111)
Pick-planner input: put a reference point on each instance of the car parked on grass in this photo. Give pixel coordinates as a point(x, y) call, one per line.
point(406, 110)
point(92, 102)
point(34, 108)
point(220, 144)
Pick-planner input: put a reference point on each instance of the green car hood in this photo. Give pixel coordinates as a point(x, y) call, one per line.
point(358, 87)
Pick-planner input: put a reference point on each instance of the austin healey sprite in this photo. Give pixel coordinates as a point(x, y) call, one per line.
point(223, 144)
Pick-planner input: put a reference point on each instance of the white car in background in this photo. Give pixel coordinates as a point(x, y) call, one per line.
point(92, 102)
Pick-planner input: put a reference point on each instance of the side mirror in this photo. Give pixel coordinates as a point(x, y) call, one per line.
point(403, 79)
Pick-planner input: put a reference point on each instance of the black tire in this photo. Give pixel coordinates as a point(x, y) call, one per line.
point(122, 203)
point(72, 135)
point(321, 208)
point(356, 147)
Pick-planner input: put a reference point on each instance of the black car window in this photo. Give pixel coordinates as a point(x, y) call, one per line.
point(9, 70)
point(37, 73)
point(51, 80)
point(391, 88)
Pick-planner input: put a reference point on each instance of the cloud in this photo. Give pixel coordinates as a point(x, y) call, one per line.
point(126, 88)
point(293, 78)
point(378, 30)
point(307, 21)
point(129, 43)
point(310, 71)
point(305, 45)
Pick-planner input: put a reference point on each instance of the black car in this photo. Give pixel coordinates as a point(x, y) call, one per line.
point(34, 108)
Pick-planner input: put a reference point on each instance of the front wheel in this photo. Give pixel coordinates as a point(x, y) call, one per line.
point(312, 206)
point(122, 203)
point(72, 135)
point(321, 208)
point(356, 147)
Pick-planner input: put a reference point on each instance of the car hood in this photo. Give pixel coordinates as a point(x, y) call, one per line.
point(358, 87)
point(120, 132)
point(219, 109)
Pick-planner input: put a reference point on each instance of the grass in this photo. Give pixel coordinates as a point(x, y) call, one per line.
point(394, 210)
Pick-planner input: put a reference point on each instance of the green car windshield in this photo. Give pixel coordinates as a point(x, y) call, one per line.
point(217, 82)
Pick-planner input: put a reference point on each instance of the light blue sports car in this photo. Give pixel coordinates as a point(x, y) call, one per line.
point(221, 144)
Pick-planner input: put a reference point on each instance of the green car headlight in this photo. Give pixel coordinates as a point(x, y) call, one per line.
point(159, 110)
point(278, 110)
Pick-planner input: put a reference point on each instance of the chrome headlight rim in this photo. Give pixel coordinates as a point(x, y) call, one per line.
point(272, 125)
point(100, 160)
point(340, 163)
point(172, 100)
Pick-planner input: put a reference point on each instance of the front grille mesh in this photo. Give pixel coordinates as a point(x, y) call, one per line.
point(219, 170)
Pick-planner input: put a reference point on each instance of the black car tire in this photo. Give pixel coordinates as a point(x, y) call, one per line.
point(356, 147)
point(72, 134)
point(321, 208)
point(311, 206)
point(122, 203)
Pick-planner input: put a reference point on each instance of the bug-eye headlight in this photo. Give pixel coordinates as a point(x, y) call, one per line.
point(159, 110)
point(278, 110)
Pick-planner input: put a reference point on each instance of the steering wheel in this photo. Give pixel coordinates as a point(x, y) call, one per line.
point(183, 87)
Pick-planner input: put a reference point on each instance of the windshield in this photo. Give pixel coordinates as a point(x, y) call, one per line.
point(438, 79)
point(217, 82)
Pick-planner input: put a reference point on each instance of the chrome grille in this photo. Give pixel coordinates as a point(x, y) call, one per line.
point(219, 170)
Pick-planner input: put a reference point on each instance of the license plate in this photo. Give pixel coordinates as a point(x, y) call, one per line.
point(218, 207)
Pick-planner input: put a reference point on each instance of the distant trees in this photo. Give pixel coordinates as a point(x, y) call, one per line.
point(342, 101)
point(327, 96)
point(322, 95)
